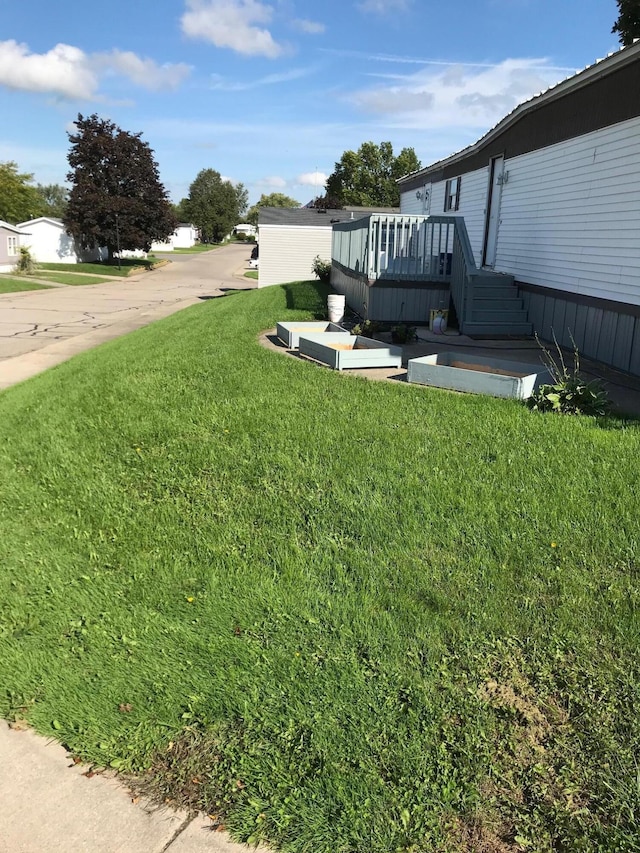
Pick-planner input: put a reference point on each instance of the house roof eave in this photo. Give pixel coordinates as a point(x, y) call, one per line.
point(613, 61)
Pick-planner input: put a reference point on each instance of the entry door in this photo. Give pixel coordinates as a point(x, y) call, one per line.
point(493, 212)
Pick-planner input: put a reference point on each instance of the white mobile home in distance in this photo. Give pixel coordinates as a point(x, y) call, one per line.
point(48, 242)
point(184, 237)
point(551, 197)
point(291, 237)
point(10, 237)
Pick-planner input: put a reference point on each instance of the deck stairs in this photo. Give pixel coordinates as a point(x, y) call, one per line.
point(486, 302)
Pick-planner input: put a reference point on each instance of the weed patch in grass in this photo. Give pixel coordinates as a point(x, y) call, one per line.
point(396, 619)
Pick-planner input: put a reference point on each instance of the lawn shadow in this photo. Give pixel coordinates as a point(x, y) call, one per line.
point(308, 296)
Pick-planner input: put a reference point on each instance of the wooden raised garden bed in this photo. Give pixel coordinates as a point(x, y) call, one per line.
point(289, 333)
point(344, 351)
point(478, 374)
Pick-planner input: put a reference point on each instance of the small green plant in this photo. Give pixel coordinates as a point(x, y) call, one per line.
point(322, 269)
point(367, 328)
point(26, 263)
point(403, 334)
point(569, 393)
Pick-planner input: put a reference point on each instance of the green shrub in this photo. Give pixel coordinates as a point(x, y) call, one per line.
point(322, 269)
point(569, 393)
point(367, 328)
point(26, 262)
point(403, 334)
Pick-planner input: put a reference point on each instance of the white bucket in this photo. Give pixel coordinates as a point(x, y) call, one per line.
point(335, 307)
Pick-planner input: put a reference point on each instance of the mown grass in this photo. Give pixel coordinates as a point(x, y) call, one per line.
point(9, 284)
point(127, 266)
point(251, 274)
point(338, 614)
point(198, 247)
point(70, 278)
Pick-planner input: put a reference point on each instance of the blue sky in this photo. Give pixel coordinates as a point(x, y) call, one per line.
point(271, 92)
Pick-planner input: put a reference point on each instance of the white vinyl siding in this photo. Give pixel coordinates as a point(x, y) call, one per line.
point(473, 201)
point(570, 215)
point(411, 204)
point(287, 252)
point(473, 204)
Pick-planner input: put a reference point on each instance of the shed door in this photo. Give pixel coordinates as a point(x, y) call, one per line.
point(493, 212)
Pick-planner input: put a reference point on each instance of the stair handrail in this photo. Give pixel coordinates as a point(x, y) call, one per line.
point(463, 271)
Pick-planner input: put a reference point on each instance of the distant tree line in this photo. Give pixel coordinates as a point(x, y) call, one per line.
point(367, 177)
point(214, 205)
point(21, 199)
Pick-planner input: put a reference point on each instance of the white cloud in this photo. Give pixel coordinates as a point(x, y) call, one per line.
point(68, 72)
point(219, 82)
point(145, 72)
point(382, 7)
point(312, 179)
point(273, 181)
point(232, 24)
point(310, 27)
point(64, 70)
point(458, 95)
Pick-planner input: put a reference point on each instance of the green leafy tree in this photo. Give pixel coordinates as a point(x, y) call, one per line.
point(54, 200)
point(367, 177)
point(181, 210)
point(628, 24)
point(243, 200)
point(19, 199)
point(326, 202)
point(116, 198)
point(270, 200)
point(214, 205)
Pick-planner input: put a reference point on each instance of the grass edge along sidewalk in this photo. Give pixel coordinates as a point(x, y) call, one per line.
point(394, 619)
point(17, 284)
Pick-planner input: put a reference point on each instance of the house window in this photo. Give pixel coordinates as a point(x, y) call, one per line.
point(452, 194)
point(12, 245)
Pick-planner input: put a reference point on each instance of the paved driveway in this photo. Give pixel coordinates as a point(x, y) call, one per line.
point(41, 328)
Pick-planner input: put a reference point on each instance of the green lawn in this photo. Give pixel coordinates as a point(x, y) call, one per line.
point(343, 615)
point(127, 266)
point(70, 278)
point(251, 274)
point(9, 284)
point(199, 247)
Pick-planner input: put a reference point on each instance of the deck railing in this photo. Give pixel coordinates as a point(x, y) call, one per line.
point(400, 248)
point(392, 246)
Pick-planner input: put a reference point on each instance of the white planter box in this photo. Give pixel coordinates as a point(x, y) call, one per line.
point(344, 351)
point(289, 333)
point(478, 374)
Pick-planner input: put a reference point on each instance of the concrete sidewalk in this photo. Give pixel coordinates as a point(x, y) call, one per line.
point(42, 328)
point(49, 805)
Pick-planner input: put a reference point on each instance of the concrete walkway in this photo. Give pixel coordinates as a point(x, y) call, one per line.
point(41, 328)
point(49, 805)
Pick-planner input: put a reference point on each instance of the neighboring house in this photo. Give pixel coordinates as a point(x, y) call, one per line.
point(184, 237)
point(291, 237)
point(551, 197)
point(10, 237)
point(246, 229)
point(48, 242)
